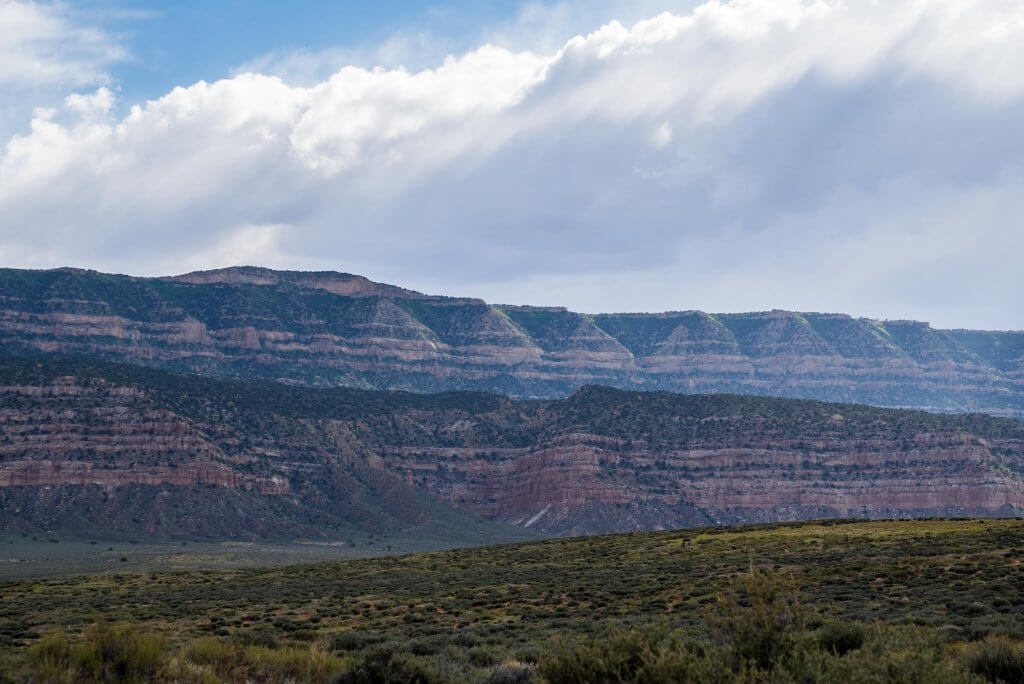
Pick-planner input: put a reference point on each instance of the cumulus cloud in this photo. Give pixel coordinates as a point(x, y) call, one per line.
point(854, 156)
point(43, 53)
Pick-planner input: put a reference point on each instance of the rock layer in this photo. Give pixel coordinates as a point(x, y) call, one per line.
point(88, 445)
point(115, 452)
point(335, 329)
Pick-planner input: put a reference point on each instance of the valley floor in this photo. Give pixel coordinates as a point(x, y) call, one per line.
point(40, 555)
point(927, 600)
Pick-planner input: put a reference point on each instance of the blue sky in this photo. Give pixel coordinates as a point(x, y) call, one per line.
point(183, 41)
point(728, 155)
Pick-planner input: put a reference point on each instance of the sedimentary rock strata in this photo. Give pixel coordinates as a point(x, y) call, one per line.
point(334, 329)
point(90, 445)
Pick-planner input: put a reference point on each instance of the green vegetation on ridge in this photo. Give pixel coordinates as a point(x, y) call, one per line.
point(335, 329)
point(654, 416)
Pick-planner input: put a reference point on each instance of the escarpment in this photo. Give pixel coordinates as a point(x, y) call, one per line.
point(93, 452)
point(334, 329)
point(92, 445)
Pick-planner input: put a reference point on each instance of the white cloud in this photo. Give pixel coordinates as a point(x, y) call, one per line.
point(43, 53)
point(303, 67)
point(40, 45)
point(90, 104)
point(855, 155)
point(360, 116)
point(242, 246)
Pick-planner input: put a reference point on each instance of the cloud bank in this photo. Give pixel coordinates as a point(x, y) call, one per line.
point(841, 156)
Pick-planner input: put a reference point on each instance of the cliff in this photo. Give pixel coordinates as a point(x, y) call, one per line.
point(125, 451)
point(94, 446)
point(335, 329)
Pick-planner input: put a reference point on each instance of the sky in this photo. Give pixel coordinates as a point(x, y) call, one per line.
point(853, 156)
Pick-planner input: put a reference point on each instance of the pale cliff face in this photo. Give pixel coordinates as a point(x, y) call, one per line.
point(333, 329)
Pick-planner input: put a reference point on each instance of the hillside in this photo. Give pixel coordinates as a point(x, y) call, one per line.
point(336, 329)
point(898, 601)
point(108, 450)
point(91, 447)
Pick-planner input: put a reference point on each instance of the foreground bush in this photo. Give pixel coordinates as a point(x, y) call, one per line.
point(649, 655)
point(105, 653)
point(384, 664)
point(841, 637)
point(292, 664)
point(512, 672)
point(123, 654)
point(759, 636)
point(998, 660)
point(645, 657)
point(758, 618)
point(756, 631)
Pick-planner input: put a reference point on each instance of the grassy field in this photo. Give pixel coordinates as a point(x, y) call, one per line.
point(26, 556)
point(934, 600)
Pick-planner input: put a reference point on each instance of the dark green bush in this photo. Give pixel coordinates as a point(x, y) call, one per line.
point(383, 663)
point(348, 641)
point(482, 656)
point(257, 637)
point(758, 617)
point(653, 654)
point(426, 646)
point(998, 660)
point(897, 654)
point(841, 637)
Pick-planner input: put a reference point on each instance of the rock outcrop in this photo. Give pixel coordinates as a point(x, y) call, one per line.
point(89, 445)
point(335, 329)
point(127, 451)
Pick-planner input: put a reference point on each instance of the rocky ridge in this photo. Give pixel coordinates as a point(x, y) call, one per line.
point(336, 329)
point(114, 452)
point(96, 446)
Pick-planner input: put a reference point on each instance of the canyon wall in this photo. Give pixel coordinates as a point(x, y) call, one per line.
point(89, 452)
point(90, 445)
point(335, 329)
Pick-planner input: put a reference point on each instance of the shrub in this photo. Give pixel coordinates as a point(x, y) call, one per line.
point(463, 638)
point(213, 651)
point(124, 653)
point(652, 654)
point(181, 670)
point(997, 659)
point(257, 637)
point(348, 641)
point(758, 618)
point(105, 653)
point(482, 657)
point(841, 637)
point(890, 653)
point(529, 654)
point(426, 646)
point(289, 663)
point(512, 672)
point(385, 664)
point(51, 658)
